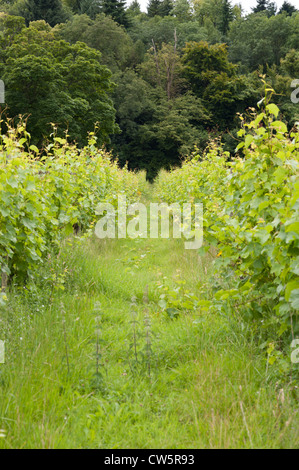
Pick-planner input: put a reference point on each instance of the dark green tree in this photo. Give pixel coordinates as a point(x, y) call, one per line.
point(261, 5)
point(89, 7)
point(257, 40)
point(166, 8)
point(227, 16)
point(134, 8)
point(265, 6)
point(103, 34)
point(153, 8)
point(51, 11)
point(181, 10)
point(161, 30)
point(55, 82)
point(288, 8)
point(156, 132)
point(74, 29)
point(215, 80)
point(117, 10)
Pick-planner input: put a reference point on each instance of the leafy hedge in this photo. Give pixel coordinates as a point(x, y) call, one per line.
point(42, 198)
point(251, 218)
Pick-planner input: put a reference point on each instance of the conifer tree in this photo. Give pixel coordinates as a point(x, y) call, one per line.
point(153, 8)
point(89, 7)
point(227, 16)
point(265, 5)
point(134, 7)
point(117, 10)
point(166, 7)
point(261, 5)
point(288, 8)
point(49, 10)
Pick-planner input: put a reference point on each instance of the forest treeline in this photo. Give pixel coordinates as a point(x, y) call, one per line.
point(153, 85)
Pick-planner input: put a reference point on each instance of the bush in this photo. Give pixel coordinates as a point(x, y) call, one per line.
point(251, 219)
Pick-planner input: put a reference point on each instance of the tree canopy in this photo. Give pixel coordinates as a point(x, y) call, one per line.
point(155, 83)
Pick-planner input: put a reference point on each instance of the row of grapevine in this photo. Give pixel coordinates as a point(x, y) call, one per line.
point(251, 218)
point(43, 197)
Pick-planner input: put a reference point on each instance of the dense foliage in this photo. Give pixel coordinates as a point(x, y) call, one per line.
point(42, 199)
point(53, 81)
point(250, 223)
point(181, 55)
point(100, 338)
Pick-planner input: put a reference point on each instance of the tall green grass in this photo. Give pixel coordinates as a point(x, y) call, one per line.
point(75, 377)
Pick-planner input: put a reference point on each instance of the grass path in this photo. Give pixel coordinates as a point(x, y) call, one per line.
point(87, 369)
